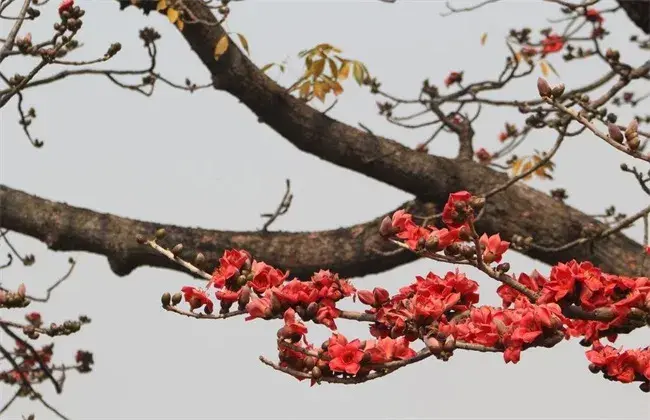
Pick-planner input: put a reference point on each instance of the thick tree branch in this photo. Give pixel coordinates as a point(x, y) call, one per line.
point(518, 210)
point(638, 11)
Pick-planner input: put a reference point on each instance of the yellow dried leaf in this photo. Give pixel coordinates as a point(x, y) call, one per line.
point(319, 91)
point(180, 24)
point(358, 72)
point(244, 43)
point(304, 90)
point(162, 5)
point(221, 47)
point(172, 15)
point(544, 66)
point(337, 88)
point(317, 68)
point(344, 71)
point(483, 38)
point(333, 69)
point(516, 166)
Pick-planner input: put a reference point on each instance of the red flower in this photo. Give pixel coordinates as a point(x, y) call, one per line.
point(647, 250)
point(291, 326)
point(453, 77)
point(503, 136)
point(457, 209)
point(197, 297)
point(552, 43)
point(265, 277)
point(65, 5)
point(593, 15)
point(259, 308)
point(346, 357)
point(326, 314)
point(376, 298)
point(494, 248)
point(230, 264)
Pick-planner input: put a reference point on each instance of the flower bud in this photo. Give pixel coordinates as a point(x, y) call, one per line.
point(433, 345)
point(477, 203)
point(21, 290)
point(276, 305)
point(593, 368)
point(316, 373)
point(465, 234)
point(244, 297)
point(176, 299)
point(140, 239)
point(557, 90)
point(450, 343)
point(160, 233)
point(177, 249)
point(165, 299)
point(311, 311)
point(199, 260)
point(386, 228)
point(310, 362)
point(503, 267)
point(615, 133)
point(431, 243)
point(543, 88)
point(645, 386)
point(207, 309)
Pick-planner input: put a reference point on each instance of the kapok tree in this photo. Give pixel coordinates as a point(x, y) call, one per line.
point(469, 211)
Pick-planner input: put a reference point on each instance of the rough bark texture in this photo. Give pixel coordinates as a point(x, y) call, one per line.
point(638, 11)
point(351, 251)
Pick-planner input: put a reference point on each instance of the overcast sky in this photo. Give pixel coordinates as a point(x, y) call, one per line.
point(203, 160)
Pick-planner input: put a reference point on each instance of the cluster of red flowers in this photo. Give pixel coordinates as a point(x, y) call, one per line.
point(263, 292)
point(440, 311)
point(453, 77)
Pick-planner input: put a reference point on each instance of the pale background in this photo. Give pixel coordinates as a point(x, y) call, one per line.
point(203, 160)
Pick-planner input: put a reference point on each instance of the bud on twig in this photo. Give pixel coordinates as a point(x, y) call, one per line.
point(557, 90)
point(177, 249)
point(386, 228)
point(615, 133)
point(176, 299)
point(543, 88)
point(450, 343)
point(433, 345)
point(199, 260)
point(160, 233)
point(165, 299)
point(632, 135)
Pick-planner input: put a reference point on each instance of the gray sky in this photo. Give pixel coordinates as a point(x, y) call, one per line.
point(203, 160)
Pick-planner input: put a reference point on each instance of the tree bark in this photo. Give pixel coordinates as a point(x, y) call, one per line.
point(351, 251)
point(638, 11)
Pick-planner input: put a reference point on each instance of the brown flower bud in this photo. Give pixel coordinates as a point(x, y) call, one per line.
point(310, 362)
point(276, 305)
point(433, 345)
point(176, 299)
point(632, 134)
point(165, 299)
point(503, 267)
point(557, 90)
point(477, 203)
point(465, 233)
point(386, 228)
point(543, 88)
point(160, 233)
point(645, 387)
point(615, 133)
point(199, 260)
point(316, 373)
point(244, 297)
point(311, 311)
point(177, 249)
point(207, 309)
point(21, 290)
point(450, 343)
point(431, 243)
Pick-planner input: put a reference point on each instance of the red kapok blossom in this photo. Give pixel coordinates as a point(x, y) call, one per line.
point(265, 277)
point(197, 297)
point(346, 357)
point(593, 15)
point(260, 307)
point(503, 136)
point(457, 209)
point(453, 77)
point(291, 326)
point(66, 5)
point(647, 250)
point(494, 248)
point(552, 43)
